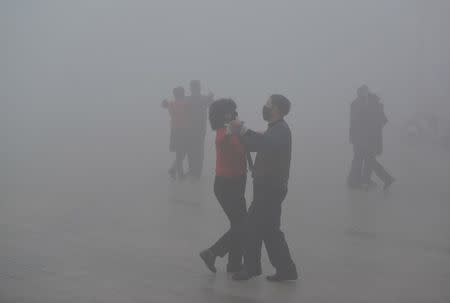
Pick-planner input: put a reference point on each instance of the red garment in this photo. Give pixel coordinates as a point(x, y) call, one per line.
point(230, 155)
point(179, 113)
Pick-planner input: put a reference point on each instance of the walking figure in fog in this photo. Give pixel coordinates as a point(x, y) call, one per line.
point(367, 119)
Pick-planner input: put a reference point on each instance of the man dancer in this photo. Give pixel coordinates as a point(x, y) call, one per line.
point(199, 114)
point(270, 187)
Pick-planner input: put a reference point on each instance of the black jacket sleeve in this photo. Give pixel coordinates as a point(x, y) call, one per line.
point(272, 139)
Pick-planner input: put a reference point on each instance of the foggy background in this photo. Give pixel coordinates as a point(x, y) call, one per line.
point(81, 83)
point(86, 77)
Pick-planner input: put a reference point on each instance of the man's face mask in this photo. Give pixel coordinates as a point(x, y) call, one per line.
point(363, 92)
point(267, 111)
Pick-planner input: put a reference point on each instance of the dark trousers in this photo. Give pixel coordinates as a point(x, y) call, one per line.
point(230, 193)
point(263, 226)
point(196, 156)
point(177, 166)
point(363, 164)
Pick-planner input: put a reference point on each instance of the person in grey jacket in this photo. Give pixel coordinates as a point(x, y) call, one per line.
point(270, 187)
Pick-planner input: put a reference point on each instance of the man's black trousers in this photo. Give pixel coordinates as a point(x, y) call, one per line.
point(263, 226)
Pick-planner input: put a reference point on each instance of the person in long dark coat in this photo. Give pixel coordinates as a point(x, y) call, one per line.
point(367, 119)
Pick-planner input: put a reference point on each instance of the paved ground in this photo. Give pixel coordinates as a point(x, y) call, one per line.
point(105, 230)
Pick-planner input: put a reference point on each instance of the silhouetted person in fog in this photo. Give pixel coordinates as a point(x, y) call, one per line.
point(270, 187)
point(199, 115)
point(179, 130)
point(367, 120)
point(229, 186)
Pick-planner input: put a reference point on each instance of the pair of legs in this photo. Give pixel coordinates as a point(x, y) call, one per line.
point(263, 226)
point(194, 151)
point(177, 170)
point(179, 144)
point(363, 164)
point(230, 192)
point(196, 155)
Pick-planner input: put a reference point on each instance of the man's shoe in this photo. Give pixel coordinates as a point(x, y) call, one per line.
point(290, 275)
point(210, 259)
point(282, 277)
point(234, 268)
point(258, 272)
point(388, 184)
point(243, 275)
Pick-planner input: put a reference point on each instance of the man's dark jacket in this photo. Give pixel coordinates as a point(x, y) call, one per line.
point(367, 120)
point(273, 159)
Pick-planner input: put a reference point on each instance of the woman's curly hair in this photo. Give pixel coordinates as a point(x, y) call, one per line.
point(218, 110)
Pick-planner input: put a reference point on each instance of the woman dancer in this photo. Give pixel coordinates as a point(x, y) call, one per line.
point(179, 130)
point(229, 187)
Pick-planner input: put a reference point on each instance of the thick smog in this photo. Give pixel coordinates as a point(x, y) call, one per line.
point(225, 151)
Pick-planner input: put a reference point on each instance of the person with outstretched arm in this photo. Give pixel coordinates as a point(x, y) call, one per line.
point(229, 187)
point(270, 187)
